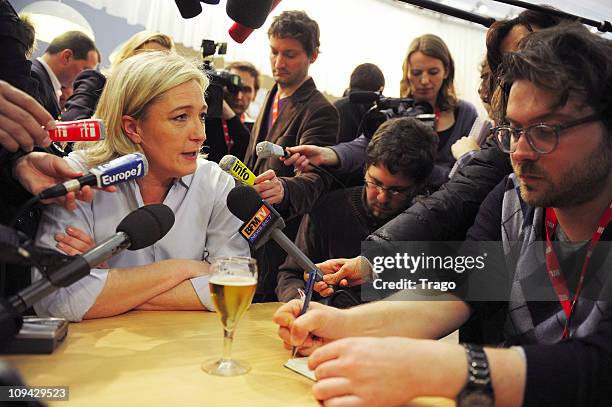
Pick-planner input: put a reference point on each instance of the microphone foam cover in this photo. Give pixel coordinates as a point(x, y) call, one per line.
point(189, 8)
point(239, 33)
point(243, 202)
point(227, 162)
point(250, 13)
point(147, 225)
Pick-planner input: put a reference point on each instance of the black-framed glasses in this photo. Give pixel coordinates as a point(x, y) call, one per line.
point(542, 138)
point(391, 191)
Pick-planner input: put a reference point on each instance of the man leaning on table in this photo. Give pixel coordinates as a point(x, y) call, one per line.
point(559, 137)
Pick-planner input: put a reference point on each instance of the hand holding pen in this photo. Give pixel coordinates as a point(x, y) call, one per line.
point(307, 296)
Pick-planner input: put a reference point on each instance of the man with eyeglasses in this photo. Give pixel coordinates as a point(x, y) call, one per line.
point(400, 158)
point(551, 338)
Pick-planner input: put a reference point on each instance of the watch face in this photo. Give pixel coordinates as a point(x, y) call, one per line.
point(475, 398)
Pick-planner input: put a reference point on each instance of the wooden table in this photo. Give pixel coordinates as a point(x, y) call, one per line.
point(153, 359)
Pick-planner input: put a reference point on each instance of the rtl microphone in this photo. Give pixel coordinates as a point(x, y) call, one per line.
point(236, 168)
point(78, 130)
point(262, 222)
point(140, 229)
point(267, 149)
point(240, 31)
point(125, 168)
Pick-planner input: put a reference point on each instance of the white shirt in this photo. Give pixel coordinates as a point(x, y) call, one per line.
point(203, 229)
point(57, 86)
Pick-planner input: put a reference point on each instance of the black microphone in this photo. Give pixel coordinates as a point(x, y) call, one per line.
point(188, 8)
point(249, 13)
point(262, 222)
point(140, 229)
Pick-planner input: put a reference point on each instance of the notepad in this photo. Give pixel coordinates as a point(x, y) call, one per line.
point(300, 365)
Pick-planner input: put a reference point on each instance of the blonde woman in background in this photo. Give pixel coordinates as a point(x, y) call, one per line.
point(153, 103)
point(89, 84)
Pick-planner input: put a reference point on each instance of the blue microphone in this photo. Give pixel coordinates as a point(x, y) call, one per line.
point(125, 168)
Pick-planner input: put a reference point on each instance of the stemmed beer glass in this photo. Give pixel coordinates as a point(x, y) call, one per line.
point(232, 287)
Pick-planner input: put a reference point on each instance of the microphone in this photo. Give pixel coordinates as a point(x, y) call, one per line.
point(240, 32)
point(262, 222)
point(266, 149)
point(125, 168)
point(140, 229)
point(79, 130)
point(191, 8)
point(236, 168)
point(249, 13)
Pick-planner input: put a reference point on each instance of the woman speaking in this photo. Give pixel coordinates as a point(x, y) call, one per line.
point(153, 103)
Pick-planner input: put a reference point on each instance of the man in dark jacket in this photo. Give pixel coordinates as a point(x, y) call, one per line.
point(294, 113)
point(66, 56)
point(400, 158)
point(552, 216)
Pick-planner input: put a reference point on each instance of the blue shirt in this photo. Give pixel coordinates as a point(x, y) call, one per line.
point(203, 229)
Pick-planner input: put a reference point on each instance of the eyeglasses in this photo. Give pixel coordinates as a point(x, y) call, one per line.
point(393, 192)
point(542, 138)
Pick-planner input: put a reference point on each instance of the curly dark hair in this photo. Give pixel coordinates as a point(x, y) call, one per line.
point(569, 61)
point(405, 146)
point(297, 25)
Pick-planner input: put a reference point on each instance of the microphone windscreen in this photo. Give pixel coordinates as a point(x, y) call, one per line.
point(147, 225)
point(227, 162)
point(363, 96)
point(250, 13)
point(239, 33)
point(189, 8)
point(243, 201)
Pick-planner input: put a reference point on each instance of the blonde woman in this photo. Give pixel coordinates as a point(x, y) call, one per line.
point(153, 103)
point(89, 84)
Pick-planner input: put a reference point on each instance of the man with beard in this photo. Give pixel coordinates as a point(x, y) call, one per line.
point(400, 158)
point(552, 216)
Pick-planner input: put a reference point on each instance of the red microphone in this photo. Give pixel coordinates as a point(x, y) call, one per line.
point(240, 33)
point(78, 130)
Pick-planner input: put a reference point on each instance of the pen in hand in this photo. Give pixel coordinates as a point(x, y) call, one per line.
point(306, 296)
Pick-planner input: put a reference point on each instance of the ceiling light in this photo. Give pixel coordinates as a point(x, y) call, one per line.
point(52, 18)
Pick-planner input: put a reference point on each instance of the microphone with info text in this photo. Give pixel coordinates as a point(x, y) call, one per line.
point(237, 169)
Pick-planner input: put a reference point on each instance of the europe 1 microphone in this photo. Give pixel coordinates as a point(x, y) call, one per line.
point(237, 169)
point(262, 222)
point(125, 168)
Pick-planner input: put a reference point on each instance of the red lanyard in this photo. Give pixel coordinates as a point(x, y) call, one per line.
point(437, 113)
point(552, 263)
point(228, 140)
point(275, 107)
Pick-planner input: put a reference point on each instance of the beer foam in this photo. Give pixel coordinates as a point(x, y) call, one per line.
point(233, 280)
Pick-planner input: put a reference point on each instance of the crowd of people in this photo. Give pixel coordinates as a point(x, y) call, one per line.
point(535, 176)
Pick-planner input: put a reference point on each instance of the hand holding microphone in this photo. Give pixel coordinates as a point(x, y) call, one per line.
point(266, 184)
point(38, 170)
point(305, 157)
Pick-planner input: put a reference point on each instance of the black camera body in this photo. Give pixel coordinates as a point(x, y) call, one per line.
point(384, 108)
point(219, 80)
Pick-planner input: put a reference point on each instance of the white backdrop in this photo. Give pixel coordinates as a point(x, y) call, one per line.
point(352, 32)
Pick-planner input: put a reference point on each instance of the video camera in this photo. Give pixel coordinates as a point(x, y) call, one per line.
point(219, 80)
point(384, 108)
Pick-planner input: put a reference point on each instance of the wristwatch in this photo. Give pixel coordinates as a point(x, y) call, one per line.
point(478, 391)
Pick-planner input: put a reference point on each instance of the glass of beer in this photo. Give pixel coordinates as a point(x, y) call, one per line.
point(232, 287)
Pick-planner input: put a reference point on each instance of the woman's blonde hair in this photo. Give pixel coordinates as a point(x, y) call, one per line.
point(137, 41)
point(434, 47)
point(132, 88)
